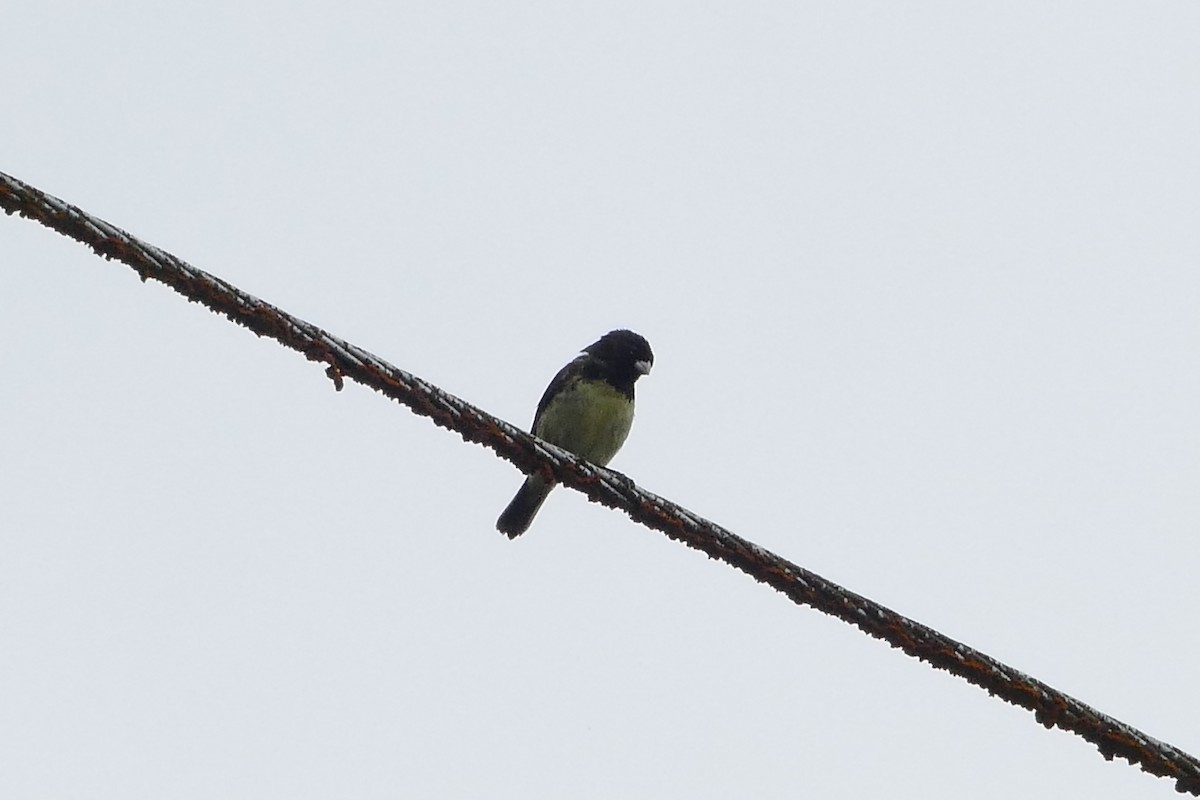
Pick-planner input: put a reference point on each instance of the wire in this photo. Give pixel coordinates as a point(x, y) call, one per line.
point(1051, 707)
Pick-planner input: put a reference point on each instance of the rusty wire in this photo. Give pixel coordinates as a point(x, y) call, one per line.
point(1051, 707)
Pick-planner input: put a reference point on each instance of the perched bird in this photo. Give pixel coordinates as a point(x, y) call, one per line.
point(587, 409)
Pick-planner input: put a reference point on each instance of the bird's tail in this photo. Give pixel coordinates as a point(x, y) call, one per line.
point(517, 517)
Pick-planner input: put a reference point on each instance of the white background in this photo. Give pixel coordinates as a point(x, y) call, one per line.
point(922, 281)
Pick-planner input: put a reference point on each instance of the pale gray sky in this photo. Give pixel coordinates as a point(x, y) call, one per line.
point(922, 282)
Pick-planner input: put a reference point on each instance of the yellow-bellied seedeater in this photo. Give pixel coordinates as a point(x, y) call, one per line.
point(588, 410)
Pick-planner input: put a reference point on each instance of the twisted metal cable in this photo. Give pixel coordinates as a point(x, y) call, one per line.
point(1051, 708)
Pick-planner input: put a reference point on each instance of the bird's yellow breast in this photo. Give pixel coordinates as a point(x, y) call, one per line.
point(590, 418)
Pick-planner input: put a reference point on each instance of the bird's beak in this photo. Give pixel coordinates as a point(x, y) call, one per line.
point(643, 367)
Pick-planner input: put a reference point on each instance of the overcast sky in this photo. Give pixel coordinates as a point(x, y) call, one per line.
point(922, 281)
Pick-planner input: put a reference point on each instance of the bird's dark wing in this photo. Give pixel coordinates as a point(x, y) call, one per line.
point(568, 374)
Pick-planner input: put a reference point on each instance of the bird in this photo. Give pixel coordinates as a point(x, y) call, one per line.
point(587, 409)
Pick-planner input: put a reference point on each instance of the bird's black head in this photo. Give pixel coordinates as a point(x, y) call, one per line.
point(626, 356)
